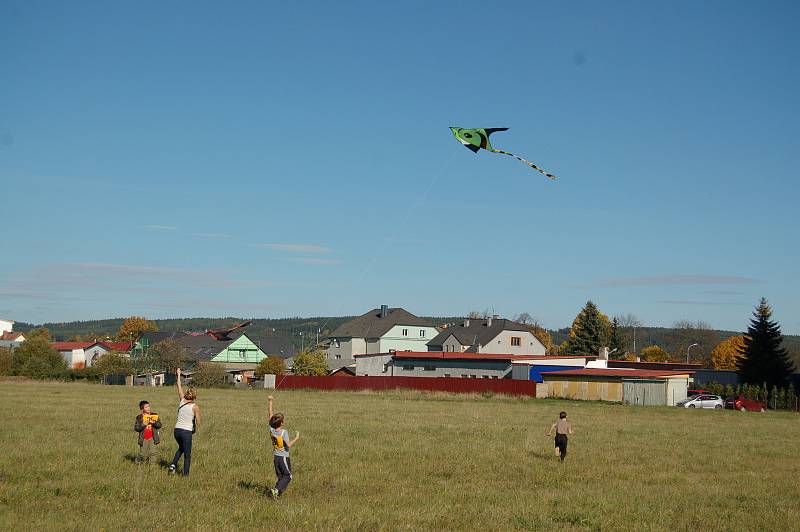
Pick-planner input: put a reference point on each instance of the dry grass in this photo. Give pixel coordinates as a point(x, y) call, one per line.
point(397, 460)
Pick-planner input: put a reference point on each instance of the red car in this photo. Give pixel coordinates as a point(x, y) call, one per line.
point(745, 405)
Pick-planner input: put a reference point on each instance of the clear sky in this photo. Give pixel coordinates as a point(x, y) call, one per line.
point(271, 159)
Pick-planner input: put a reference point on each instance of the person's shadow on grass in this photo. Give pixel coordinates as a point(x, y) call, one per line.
point(539, 455)
point(134, 459)
point(261, 489)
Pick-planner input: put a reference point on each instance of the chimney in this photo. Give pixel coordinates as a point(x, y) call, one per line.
point(603, 354)
point(466, 322)
point(384, 310)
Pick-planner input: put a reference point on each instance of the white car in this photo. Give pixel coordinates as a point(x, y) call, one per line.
point(703, 401)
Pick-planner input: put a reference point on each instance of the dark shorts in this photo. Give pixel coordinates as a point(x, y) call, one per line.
point(561, 442)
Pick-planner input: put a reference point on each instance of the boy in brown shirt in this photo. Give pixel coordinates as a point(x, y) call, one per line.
point(562, 428)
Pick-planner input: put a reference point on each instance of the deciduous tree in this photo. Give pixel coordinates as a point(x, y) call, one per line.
point(271, 365)
point(727, 353)
point(310, 363)
point(133, 327)
point(654, 353)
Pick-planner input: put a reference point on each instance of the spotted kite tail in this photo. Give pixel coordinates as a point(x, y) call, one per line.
point(517, 157)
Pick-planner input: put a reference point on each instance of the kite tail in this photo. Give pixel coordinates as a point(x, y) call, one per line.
point(517, 157)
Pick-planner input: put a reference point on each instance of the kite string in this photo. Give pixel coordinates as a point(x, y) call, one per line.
point(409, 211)
point(406, 217)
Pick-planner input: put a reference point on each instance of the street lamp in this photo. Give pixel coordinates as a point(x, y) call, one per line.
point(687, 352)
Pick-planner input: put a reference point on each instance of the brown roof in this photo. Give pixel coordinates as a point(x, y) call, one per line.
point(371, 325)
point(11, 335)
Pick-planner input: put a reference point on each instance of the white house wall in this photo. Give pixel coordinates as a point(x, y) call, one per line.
point(501, 344)
point(395, 340)
point(6, 326)
point(373, 365)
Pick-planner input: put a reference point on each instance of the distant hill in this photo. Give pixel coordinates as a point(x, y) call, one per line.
point(668, 338)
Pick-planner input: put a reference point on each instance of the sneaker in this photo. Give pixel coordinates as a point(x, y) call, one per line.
point(171, 469)
point(273, 493)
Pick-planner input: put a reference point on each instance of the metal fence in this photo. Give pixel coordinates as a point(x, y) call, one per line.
point(433, 384)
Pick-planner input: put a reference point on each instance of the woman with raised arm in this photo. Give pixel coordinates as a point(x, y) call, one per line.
point(185, 425)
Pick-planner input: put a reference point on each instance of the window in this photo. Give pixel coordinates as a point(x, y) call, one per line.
point(473, 376)
point(485, 376)
point(385, 368)
point(446, 374)
point(405, 332)
point(408, 368)
point(516, 340)
point(429, 368)
point(422, 333)
point(494, 376)
point(464, 376)
point(338, 357)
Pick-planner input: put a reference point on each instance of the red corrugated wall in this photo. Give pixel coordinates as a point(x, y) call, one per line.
point(434, 384)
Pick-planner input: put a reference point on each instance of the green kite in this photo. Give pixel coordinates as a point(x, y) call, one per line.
point(475, 139)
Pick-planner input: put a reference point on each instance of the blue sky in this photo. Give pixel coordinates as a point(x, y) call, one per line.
point(278, 159)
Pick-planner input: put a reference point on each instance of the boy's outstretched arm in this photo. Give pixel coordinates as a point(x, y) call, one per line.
point(297, 437)
point(269, 398)
point(550, 432)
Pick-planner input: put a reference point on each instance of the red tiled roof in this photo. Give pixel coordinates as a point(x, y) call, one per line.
point(9, 335)
point(448, 355)
point(109, 346)
point(69, 346)
point(534, 358)
point(616, 372)
point(116, 346)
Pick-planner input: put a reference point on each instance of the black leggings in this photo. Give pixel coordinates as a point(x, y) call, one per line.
point(184, 439)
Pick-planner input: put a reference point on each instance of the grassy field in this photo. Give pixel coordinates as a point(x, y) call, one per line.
point(397, 460)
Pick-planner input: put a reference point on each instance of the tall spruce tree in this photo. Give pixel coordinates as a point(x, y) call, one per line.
point(615, 342)
point(763, 359)
point(589, 332)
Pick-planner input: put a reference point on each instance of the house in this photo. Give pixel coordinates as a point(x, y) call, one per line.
point(630, 386)
point(85, 354)
point(242, 350)
point(437, 364)
point(9, 338)
point(380, 330)
point(344, 371)
point(490, 335)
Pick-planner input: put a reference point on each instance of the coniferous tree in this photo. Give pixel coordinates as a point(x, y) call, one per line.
point(589, 332)
point(763, 359)
point(615, 341)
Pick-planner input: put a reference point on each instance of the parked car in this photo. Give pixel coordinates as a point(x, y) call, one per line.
point(745, 405)
point(703, 401)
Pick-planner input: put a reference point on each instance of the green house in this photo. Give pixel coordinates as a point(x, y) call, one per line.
point(241, 350)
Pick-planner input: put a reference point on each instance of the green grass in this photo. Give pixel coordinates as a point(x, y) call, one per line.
point(396, 460)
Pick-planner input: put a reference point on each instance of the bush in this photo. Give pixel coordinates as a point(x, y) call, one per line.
point(654, 353)
point(208, 375)
point(6, 361)
point(310, 363)
point(270, 366)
